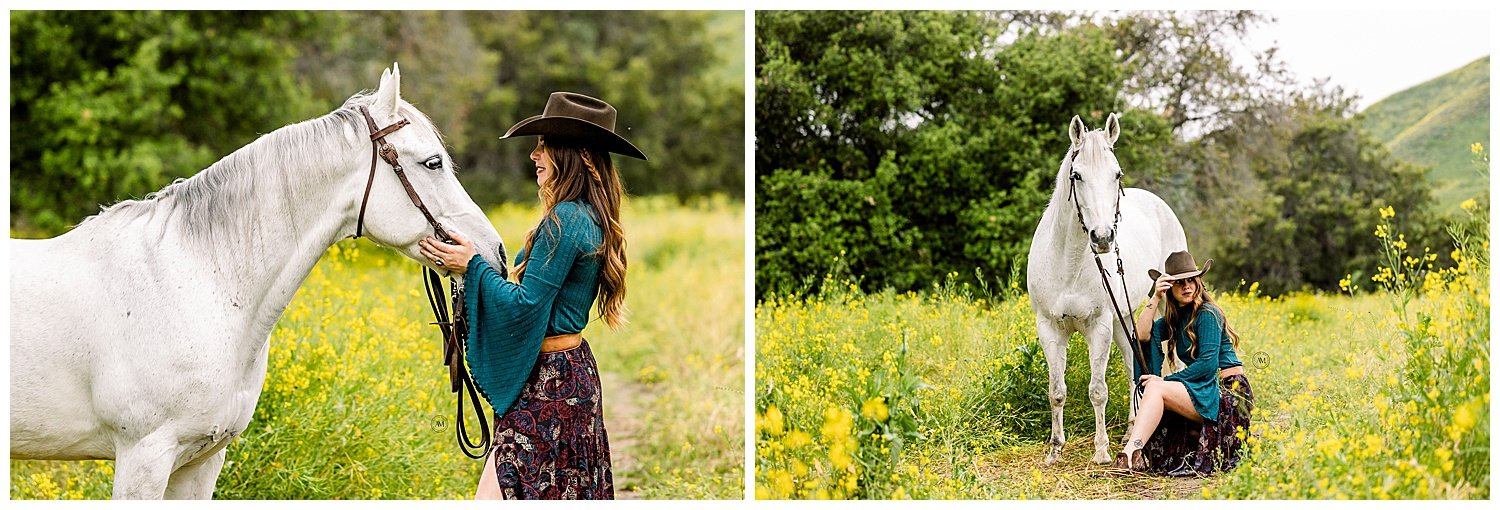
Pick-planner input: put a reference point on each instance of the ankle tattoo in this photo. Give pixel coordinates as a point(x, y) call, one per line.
point(1137, 444)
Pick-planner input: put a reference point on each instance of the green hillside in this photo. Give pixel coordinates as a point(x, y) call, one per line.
point(1434, 123)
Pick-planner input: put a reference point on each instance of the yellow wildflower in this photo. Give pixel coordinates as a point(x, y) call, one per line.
point(797, 439)
point(773, 422)
point(875, 409)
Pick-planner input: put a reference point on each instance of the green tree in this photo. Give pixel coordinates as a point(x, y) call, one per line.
point(108, 105)
point(661, 69)
point(913, 145)
point(113, 105)
point(1321, 180)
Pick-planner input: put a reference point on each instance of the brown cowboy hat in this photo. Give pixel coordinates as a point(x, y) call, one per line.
point(572, 115)
point(1181, 265)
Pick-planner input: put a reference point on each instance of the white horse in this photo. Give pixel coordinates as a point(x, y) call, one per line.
point(1091, 215)
point(141, 335)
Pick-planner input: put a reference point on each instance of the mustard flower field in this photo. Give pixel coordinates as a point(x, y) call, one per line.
point(356, 402)
point(1379, 391)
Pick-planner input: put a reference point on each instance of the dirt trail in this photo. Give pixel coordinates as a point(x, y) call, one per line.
point(1075, 476)
point(622, 415)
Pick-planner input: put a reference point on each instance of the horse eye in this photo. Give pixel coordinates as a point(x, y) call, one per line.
point(1077, 177)
point(433, 163)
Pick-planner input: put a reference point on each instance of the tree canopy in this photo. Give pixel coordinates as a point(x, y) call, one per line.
point(113, 105)
point(900, 147)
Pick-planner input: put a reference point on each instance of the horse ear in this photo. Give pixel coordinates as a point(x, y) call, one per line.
point(1076, 129)
point(388, 96)
point(1112, 128)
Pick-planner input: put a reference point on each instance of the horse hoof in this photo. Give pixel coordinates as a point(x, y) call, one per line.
point(1053, 455)
point(1102, 457)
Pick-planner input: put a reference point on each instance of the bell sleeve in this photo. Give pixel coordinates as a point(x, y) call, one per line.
point(507, 320)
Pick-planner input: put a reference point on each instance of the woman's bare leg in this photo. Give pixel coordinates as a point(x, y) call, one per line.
point(489, 484)
point(1159, 396)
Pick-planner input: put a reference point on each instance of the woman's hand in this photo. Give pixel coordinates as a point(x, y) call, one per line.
point(453, 257)
point(1163, 286)
point(1147, 379)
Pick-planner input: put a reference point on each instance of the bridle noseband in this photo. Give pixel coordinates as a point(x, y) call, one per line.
point(454, 326)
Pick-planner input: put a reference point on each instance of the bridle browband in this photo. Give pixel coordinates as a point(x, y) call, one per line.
point(1129, 327)
point(454, 326)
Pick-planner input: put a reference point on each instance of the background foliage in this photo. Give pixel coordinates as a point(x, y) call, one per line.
point(111, 105)
point(907, 145)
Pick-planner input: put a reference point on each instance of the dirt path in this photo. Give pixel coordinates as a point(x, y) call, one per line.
point(622, 412)
point(1076, 477)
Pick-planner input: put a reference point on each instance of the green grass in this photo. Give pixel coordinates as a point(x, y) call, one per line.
point(359, 409)
point(1373, 395)
point(1433, 123)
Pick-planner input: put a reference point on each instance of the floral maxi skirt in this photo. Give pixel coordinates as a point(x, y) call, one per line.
point(1181, 447)
point(551, 444)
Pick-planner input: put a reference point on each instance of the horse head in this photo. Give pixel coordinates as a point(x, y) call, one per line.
point(389, 216)
point(1094, 176)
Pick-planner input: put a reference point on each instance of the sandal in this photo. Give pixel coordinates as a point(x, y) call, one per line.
point(1137, 461)
point(1134, 461)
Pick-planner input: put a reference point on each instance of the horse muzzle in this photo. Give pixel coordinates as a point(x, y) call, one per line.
point(1101, 243)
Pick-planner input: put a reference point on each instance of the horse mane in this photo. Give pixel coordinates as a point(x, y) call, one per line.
point(224, 198)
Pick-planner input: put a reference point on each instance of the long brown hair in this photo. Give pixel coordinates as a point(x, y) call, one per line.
point(1200, 298)
point(579, 171)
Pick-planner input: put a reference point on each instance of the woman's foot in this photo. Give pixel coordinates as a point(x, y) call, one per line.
point(1132, 458)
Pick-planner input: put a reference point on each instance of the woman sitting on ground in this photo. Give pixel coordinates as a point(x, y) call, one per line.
point(1189, 422)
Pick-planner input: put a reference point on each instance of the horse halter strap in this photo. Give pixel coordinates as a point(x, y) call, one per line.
point(386, 151)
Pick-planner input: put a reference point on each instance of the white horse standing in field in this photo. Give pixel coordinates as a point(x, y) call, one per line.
point(1091, 215)
point(141, 335)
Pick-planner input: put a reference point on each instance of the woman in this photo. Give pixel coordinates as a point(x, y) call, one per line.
point(1188, 422)
point(549, 441)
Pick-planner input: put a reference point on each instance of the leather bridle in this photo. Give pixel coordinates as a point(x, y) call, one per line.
point(1135, 347)
point(387, 152)
point(454, 326)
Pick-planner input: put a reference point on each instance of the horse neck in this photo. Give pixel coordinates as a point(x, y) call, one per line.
point(261, 217)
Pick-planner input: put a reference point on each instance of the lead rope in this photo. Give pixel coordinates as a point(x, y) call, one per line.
point(455, 330)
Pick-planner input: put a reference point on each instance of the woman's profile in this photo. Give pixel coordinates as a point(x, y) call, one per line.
point(525, 346)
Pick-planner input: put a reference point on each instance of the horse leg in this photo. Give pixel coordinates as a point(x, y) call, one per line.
point(1123, 340)
point(1098, 339)
point(1054, 339)
point(196, 480)
point(143, 467)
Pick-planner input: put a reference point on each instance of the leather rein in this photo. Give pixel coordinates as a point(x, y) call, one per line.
point(454, 326)
point(1120, 315)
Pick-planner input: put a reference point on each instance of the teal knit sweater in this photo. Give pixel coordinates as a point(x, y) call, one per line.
point(507, 321)
point(1201, 375)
